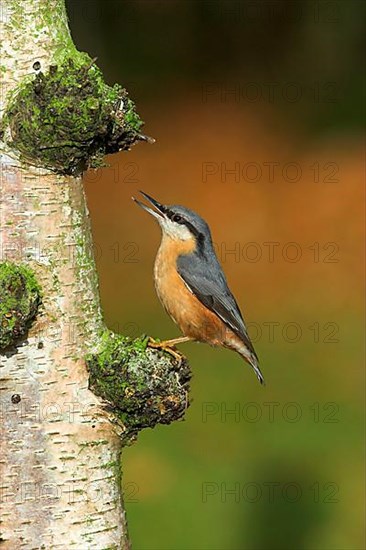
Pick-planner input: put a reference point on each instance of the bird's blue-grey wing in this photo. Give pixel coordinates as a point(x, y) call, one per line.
point(206, 280)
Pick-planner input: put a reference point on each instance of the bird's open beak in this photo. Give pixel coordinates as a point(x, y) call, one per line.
point(159, 213)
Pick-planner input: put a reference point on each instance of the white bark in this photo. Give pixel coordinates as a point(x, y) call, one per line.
point(59, 452)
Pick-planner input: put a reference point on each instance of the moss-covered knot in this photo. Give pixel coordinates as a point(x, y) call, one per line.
point(20, 297)
point(140, 386)
point(68, 119)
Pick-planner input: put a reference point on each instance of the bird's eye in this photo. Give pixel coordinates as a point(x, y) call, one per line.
point(177, 218)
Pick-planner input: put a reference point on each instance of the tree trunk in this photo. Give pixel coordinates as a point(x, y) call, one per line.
point(60, 483)
point(56, 491)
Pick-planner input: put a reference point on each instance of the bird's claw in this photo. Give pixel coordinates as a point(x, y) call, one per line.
point(165, 346)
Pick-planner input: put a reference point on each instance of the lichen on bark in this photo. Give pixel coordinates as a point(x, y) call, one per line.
point(141, 387)
point(20, 298)
point(67, 118)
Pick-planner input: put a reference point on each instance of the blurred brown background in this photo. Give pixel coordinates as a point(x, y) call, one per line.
point(257, 111)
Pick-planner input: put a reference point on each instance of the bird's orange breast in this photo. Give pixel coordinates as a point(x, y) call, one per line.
point(192, 317)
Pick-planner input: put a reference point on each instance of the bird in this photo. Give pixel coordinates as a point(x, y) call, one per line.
point(191, 284)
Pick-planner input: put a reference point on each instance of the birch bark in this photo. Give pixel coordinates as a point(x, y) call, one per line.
point(59, 452)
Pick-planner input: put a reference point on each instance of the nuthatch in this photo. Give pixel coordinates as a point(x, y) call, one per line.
point(192, 286)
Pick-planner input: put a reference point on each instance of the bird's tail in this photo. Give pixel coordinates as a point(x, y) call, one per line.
point(252, 359)
point(248, 354)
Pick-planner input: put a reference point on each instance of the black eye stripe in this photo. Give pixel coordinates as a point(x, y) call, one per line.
point(179, 219)
point(175, 217)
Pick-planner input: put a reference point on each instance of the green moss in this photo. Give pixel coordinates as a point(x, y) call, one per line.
point(68, 119)
point(141, 387)
point(20, 297)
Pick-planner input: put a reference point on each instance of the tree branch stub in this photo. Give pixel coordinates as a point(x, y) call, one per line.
point(67, 118)
point(140, 387)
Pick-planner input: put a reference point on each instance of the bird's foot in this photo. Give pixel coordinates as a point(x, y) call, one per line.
point(167, 346)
